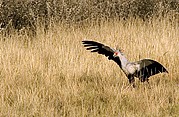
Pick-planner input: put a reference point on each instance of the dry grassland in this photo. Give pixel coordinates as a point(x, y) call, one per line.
point(53, 74)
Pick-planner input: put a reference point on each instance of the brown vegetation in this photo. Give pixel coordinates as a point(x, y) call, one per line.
point(51, 74)
point(26, 14)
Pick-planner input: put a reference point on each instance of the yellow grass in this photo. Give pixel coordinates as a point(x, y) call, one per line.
point(53, 75)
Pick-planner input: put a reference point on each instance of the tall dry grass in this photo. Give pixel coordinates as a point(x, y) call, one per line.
point(53, 75)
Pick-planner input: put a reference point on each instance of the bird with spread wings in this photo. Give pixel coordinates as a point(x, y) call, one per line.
point(141, 69)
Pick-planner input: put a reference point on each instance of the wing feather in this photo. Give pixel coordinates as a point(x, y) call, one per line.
point(101, 49)
point(91, 48)
point(148, 68)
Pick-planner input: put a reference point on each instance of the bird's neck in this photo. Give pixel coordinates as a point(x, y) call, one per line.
point(123, 60)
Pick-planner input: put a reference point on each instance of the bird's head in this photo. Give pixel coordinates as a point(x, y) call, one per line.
point(117, 53)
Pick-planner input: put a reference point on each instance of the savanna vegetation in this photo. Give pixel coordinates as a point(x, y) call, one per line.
point(45, 70)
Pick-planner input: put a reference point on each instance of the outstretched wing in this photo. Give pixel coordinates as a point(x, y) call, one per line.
point(101, 49)
point(148, 68)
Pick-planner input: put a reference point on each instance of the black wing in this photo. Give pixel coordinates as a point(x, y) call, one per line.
point(101, 49)
point(148, 68)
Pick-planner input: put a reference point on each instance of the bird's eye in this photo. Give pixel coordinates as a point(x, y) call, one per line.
point(115, 53)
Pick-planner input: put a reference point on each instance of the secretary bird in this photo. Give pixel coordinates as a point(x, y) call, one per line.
point(141, 69)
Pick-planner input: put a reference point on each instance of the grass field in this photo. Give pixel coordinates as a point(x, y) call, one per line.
point(53, 75)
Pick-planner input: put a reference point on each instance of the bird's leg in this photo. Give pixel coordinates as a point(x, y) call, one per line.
point(132, 83)
point(131, 80)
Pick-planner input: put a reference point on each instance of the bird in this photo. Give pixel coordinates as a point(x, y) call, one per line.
point(141, 69)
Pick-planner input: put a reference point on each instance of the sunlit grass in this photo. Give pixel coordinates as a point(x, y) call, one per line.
point(53, 74)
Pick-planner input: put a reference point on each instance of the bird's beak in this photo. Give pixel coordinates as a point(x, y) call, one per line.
point(115, 54)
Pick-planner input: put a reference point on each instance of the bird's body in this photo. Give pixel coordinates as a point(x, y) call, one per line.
point(141, 69)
